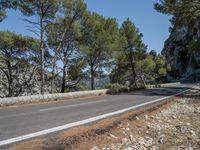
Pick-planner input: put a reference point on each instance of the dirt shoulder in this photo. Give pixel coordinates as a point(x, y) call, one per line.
point(169, 125)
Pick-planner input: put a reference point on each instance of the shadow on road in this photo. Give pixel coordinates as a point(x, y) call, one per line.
point(167, 91)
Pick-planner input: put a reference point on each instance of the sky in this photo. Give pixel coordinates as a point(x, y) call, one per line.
point(153, 25)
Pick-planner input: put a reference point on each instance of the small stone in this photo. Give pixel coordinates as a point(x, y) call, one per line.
point(192, 132)
point(188, 124)
point(148, 126)
point(137, 118)
point(157, 117)
point(95, 148)
point(129, 148)
point(146, 116)
point(174, 117)
point(189, 148)
point(152, 117)
point(160, 140)
point(189, 138)
point(113, 136)
point(106, 148)
point(125, 140)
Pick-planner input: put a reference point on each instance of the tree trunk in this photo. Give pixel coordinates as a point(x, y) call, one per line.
point(53, 75)
point(92, 77)
point(143, 80)
point(10, 80)
point(42, 69)
point(133, 69)
point(42, 51)
point(63, 79)
point(52, 84)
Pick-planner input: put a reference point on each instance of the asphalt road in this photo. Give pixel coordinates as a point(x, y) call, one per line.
point(17, 121)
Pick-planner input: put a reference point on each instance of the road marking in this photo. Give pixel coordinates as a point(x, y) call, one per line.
point(74, 105)
point(19, 114)
point(82, 122)
point(52, 108)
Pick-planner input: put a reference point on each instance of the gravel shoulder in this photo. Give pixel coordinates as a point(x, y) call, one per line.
point(172, 125)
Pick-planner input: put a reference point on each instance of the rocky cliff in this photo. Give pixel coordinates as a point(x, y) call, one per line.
point(180, 51)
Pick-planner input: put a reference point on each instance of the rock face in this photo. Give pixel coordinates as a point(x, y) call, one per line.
point(183, 60)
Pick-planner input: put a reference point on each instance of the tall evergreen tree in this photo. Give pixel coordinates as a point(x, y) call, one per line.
point(17, 63)
point(64, 36)
point(99, 40)
point(133, 48)
point(44, 12)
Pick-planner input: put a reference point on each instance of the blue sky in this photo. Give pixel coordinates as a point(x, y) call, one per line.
point(152, 24)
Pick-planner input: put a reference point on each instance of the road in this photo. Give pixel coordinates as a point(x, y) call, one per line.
point(22, 122)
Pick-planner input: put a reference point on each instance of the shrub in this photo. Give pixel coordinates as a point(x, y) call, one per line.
point(139, 87)
point(77, 87)
point(115, 88)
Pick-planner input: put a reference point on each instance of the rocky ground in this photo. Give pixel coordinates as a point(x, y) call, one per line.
point(172, 125)
point(176, 127)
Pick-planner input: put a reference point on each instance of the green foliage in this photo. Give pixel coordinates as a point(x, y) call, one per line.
point(15, 44)
point(132, 49)
point(146, 65)
point(2, 15)
point(153, 53)
point(5, 4)
point(116, 88)
point(75, 70)
point(162, 71)
point(183, 11)
point(194, 45)
point(133, 38)
point(77, 87)
point(39, 8)
point(145, 69)
point(16, 60)
point(185, 15)
point(98, 42)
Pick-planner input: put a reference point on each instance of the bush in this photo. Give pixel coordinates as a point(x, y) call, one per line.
point(115, 88)
point(77, 87)
point(139, 87)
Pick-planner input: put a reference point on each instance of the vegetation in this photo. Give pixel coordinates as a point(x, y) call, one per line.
point(185, 13)
point(73, 44)
point(182, 47)
point(116, 88)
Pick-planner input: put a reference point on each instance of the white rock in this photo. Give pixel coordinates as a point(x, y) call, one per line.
point(146, 116)
point(125, 140)
point(129, 148)
point(113, 136)
point(174, 117)
point(137, 118)
point(188, 124)
point(148, 126)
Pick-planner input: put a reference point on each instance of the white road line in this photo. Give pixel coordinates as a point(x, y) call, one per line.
point(52, 108)
point(78, 123)
point(74, 105)
point(19, 114)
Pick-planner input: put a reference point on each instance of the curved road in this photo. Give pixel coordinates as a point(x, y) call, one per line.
point(17, 121)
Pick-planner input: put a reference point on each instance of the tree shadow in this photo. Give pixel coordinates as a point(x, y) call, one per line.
point(167, 91)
